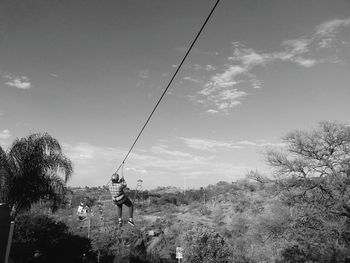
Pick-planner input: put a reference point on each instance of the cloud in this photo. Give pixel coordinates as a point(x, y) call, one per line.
point(248, 57)
point(209, 67)
point(198, 67)
point(261, 143)
point(84, 152)
point(163, 149)
point(271, 144)
point(226, 78)
point(212, 111)
point(219, 93)
point(326, 33)
point(256, 83)
point(214, 145)
point(209, 145)
point(197, 51)
point(296, 46)
point(308, 63)
point(191, 79)
point(250, 143)
point(160, 165)
point(5, 134)
point(20, 82)
point(144, 74)
point(135, 170)
point(93, 165)
point(324, 36)
point(5, 138)
point(222, 91)
point(331, 27)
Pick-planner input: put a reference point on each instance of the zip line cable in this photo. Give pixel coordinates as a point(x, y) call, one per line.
point(169, 83)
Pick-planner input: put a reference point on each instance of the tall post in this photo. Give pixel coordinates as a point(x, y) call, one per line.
point(89, 224)
point(5, 225)
point(139, 192)
point(9, 241)
point(205, 198)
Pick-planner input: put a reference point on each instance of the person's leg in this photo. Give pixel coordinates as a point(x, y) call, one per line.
point(119, 211)
point(129, 204)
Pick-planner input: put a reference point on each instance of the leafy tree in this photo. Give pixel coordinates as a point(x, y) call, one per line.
point(102, 242)
point(317, 167)
point(313, 179)
point(31, 170)
point(203, 244)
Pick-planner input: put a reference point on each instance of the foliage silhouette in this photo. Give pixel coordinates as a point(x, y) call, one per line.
point(40, 238)
point(31, 172)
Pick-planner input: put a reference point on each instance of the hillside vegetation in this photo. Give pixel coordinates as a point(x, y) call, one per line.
point(299, 214)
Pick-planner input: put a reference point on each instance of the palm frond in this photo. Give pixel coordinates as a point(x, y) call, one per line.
point(4, 171)
point(37, 164)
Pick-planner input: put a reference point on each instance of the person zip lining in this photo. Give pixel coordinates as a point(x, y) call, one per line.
point(116, 185)
point(116, 188)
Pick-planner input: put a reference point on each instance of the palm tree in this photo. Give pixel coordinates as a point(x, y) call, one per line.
point(34, 168)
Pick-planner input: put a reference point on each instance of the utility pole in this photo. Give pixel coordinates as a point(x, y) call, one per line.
point(89, 225)
point(204, 196)
point(139, 192)
point(185, 184)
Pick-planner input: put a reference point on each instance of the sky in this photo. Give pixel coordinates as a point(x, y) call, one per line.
point(89, 72)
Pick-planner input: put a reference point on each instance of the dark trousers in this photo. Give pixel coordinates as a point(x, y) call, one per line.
point(124, 201)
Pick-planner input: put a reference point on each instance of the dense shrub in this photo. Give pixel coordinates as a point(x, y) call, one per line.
point(204, 245)
point(41, 238)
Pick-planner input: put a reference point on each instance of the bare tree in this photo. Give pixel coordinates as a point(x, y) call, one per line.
point(316, 167)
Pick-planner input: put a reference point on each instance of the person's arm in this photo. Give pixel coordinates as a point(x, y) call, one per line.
point(110, 182)
point(123, 184)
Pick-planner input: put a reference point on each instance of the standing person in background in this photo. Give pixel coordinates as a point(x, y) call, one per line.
point(82, 212)
point(116, 188)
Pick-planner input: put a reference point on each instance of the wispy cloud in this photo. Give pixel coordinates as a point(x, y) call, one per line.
point(326, 32)
point(261, 143)
point(214, 145)
point(136, 170)
point(325, 35)
point(5, 134)
point(20, 82)
point(209, 145)
point(85, 152)
point(197, 51)
point(162, 164)
point(191, 79)
point(212, 111)
point(144, 74)
point(222, 91)
point(197, 67)
point(93, 164)
point(164, 149)
point(5, 138)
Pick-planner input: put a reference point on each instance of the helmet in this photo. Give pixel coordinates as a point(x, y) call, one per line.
point(115, 178)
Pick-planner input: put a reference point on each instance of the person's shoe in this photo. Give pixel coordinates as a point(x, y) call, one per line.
point(131, 223)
